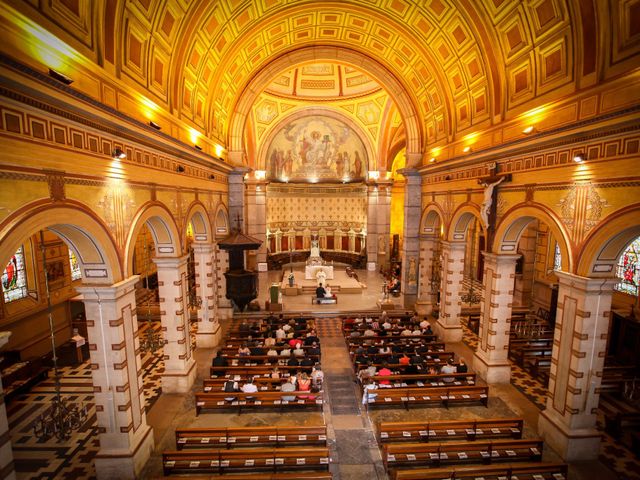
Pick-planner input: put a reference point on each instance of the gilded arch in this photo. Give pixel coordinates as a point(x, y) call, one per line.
point(197, 216)
point(432, 221)
point(459, 224)
point(221, 222)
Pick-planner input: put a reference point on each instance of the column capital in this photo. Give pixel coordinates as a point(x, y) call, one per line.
point(412, 175)
point(202, 247)
point(500, 258)
point(586, 283)
point(107, 292)
point(169, 262)
point(453, 245)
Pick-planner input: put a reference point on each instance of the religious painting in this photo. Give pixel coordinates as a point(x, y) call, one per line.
point(55, 274)
point(316, 149)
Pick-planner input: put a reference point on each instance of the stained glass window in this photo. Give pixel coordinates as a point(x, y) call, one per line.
point(76, 274)
point(628, 270)
point(14, 278)
point(557, 258)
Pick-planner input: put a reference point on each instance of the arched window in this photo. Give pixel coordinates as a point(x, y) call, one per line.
point(557, 258)
point(76, 274)
point(14, 278)
point(628, 270)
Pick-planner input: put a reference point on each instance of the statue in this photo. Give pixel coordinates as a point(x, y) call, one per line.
point(485, 210)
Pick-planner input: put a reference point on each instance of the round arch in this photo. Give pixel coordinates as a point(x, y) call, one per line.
point(163, 230)
point(603, 247)
point(459, 224)
point(197, 216)
point(261, 80)
point(432, 220)
point(221, 222)
point(80, 228)
point(516, 220)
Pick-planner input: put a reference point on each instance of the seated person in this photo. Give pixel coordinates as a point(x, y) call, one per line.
point(327, 292)
point(249, 387)
point(229, 387)
point(220, 360)
point(448, 368)
point(289, 387)
point(394, 285)
point(317, 377)
point(320, 291)
point(368, 392)
point(304, 384)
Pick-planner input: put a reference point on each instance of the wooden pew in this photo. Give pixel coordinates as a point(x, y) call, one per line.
point(378, 358)
point(268, 476)
point(262, 359)
point(427, 381)
point(442, 430)
point(480, 451)
point(250, 437)
point(525, 471)
point(437, 396)
point(244, 371)
point(219, 461)
point(391, 338)
point(263, 383)
point(216, 400)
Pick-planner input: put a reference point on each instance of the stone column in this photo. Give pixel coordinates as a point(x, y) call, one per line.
point(257, 221)
point(410, 242)
point(126, 441)
point(378, 222)
point(428, 246)
point(491, 360)
point(179, 365)
point(568, 423)
point(7, 470)
point(236, 196)
point(221, 265)
point(209, 331)
point(448, 325)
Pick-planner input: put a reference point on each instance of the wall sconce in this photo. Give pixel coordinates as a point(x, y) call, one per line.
point(154, 125)
point(432, 160)
point(197, 147)
point(61, 77)
point(529, 130)
point(374, 175)
point(180, 169)
point(448, 177)
point(467, 149)
point(579, 157)
point(118, 153)
point(260, 174)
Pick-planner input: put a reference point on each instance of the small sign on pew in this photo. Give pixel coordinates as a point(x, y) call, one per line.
point(535, 451)
point(322, 437)
point(215, 463)
point(423, 433)
point(465, 396)
point(324, 460)
point(391, 458)
point(282, 438)
point(406, 434)
point(170, 463)
point(223, 439)
point(182, 440)
point(462, 455)
point(411, 457)
point(301, 461)
point(194, 463)
point(451, 432)
point(510, 453)
point(302, 437)
point(384, 435)
point(253, 439)
point(224, 463)
point(249, 463)
point(444, 456)
point(279, 461)
point(495, 430)
point(231, 440)
point(204, 440)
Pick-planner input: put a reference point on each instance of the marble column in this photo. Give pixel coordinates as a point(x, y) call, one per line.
point(491, 360)
point(221, 265)
point(236, 196)
point(410, 241)
point(448, 326)
point(126, 441)
point(209, 331)
point(179, 365)
point(257, 222)
point(568, 423)
point(7, 470)
point(428, 248)
point(378, 222)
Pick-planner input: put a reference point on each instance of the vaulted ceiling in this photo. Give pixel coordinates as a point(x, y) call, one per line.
point(450, 66)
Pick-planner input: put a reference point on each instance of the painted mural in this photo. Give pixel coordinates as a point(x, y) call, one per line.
point(316, 149)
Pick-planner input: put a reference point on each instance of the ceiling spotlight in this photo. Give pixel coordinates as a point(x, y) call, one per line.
point(197, 147)
point(432, 160)
point(529, 130)
point(579, 157)
point(467, 149)
point(61, 77)
point(154, 125)
point(180, 169)
point(118, 153)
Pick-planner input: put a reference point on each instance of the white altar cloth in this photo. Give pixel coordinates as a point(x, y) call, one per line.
point(310, 271)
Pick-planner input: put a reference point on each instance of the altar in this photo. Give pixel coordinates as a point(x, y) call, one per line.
point(311, 271)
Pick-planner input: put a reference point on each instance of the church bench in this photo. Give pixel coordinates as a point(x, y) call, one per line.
point(398, 367)
point(538, 365)
point(442, 430)
point(232, 350)
point(525, 471)
point(425, 381)
point(480, 451)
point(261, 400)
point(322, 301)
point(526, 355)
point(250, 437)
point(242, 371)
point(393, 338)
point(236, 360)
point(618, 414)
point(379, 358)
point(245, 460)
point(299, 475)
point(263, 383)
point(436, 396)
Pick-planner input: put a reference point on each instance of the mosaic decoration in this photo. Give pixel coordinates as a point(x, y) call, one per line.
point(76, 274)
point(628, 270)
point(316, 149)
point(14, 282)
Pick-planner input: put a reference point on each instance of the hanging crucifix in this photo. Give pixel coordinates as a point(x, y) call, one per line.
point(488, 208)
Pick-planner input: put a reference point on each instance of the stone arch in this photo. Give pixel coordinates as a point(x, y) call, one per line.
point(605, 244)
point(80, 228)
point(261, 80)
point(221, 222)
point(197, 216)
point(432, 221)
point(517, 219)
point(306, 112)
point(460, 221)
point(163, 230)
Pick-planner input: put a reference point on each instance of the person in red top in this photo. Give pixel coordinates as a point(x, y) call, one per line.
point(404, 359)
point(384, 372)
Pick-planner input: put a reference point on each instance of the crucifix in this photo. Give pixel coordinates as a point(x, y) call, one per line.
point(488, 208)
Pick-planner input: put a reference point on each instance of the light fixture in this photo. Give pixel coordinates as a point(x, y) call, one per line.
point(180, 169)
point(260, 174)
point(62, 418)
point(61, 77)
point(212, 176)
point(118, 153)
point(197, 147)
point(579, 157)
point(529, 130)
point(432, 160)
point(467, 149)
point(154, 125)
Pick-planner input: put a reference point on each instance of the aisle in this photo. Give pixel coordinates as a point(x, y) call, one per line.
point(354, 449)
